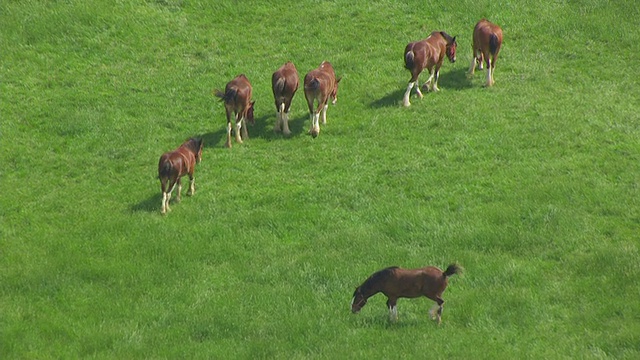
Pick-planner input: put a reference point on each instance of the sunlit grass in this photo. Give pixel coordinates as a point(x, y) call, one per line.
point(531, 185)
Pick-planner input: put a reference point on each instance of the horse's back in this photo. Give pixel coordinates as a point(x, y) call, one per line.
point(285, 80)
point(487, 35)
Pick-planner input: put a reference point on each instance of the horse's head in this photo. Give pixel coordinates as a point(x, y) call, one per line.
point(451, 46)
point(197, 145)
point(250, 118)
point(358, 301)
point(334, 92)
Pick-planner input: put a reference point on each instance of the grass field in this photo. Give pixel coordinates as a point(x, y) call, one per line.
point(531, 185)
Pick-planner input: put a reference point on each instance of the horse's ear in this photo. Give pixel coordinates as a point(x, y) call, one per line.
point(454, 39)
point(338, 79)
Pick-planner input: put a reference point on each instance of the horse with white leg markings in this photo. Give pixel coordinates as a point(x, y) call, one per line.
point(395, 282)
point(237, 99)
point(319, 85)
point(284, 83)
point(487, 41)
point(428, 54)
point(173, 165)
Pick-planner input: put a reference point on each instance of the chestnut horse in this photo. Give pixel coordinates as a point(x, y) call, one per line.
point(428, 53)
point(284, 83)
point(487, 40)
point(396, 283)
point(237, 99)
point(319, 85)
point(173, 165)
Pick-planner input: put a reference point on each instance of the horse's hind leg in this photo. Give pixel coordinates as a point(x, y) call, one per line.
point(324, 114)
point(436, 310)
point(405, 99)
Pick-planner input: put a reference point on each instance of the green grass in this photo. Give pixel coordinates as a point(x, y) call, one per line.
point(531, 185)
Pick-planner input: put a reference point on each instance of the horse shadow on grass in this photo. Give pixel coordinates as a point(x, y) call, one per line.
point(150, 204)
point(456, 79)
point(263, 129)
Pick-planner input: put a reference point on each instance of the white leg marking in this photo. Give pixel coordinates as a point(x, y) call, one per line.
point(285, 123)
point(405, 99)
point(324, 114)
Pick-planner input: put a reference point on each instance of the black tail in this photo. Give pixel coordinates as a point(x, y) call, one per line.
point(493, 44)
point(165, 170)
point(452, 270)
point(314, 84)
point(408, 60)
point(226, 96)
point(279, 86)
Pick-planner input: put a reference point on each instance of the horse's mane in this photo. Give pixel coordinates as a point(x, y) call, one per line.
point(377, 276)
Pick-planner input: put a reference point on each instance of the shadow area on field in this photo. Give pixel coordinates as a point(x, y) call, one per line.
point(392, 99)
point(150, 204)
point(384, 323)
point(456, 79)
point(263, 129)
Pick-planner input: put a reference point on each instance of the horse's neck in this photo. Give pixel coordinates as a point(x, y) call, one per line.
point(368, 290)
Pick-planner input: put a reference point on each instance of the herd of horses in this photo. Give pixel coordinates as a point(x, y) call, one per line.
point(321, 85)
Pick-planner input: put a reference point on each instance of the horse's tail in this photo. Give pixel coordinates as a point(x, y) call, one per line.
point(452, 270)
point(164, 170)
point(279, 85)
point(226, 96)
point(314, 84)
point(493, 43)
point(408, 60)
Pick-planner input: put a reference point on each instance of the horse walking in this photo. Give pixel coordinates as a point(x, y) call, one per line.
point(237, 99)
point(174, 165)
point(284, 83)
point(395, 283)
point(428, 53)
point(319, 85)
point(487, 40)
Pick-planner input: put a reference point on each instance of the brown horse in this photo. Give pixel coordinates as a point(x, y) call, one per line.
point(487, 40)
point(284, 83)
point(428, 53)
point(237, 99)
point(174, 165)
point(395, 283)
point(319, 85)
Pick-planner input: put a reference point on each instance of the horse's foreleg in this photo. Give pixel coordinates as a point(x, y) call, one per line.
point(472, 67)
point(179, 183)
point(244, 128)
point(238, 126)
point(393, 309)
point(405, 99)
point(192, 185)
point(435, 81)
point(428, 84)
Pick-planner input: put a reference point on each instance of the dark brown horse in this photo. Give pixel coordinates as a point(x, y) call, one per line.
point(396, 283)
point(174, 165)
point(237, 100)
point(487, 40)
point(428, 54)
point(319, 85)
point(284, 83)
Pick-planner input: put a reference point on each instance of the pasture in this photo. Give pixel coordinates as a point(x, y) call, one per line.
point(531, 185)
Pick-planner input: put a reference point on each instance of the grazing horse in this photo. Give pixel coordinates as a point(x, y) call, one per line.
point(487, 40)
point(174, 165)
point(237, 99)
point(319, 85)
point(284, 83)
point(395, 283)
point(428, 53)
